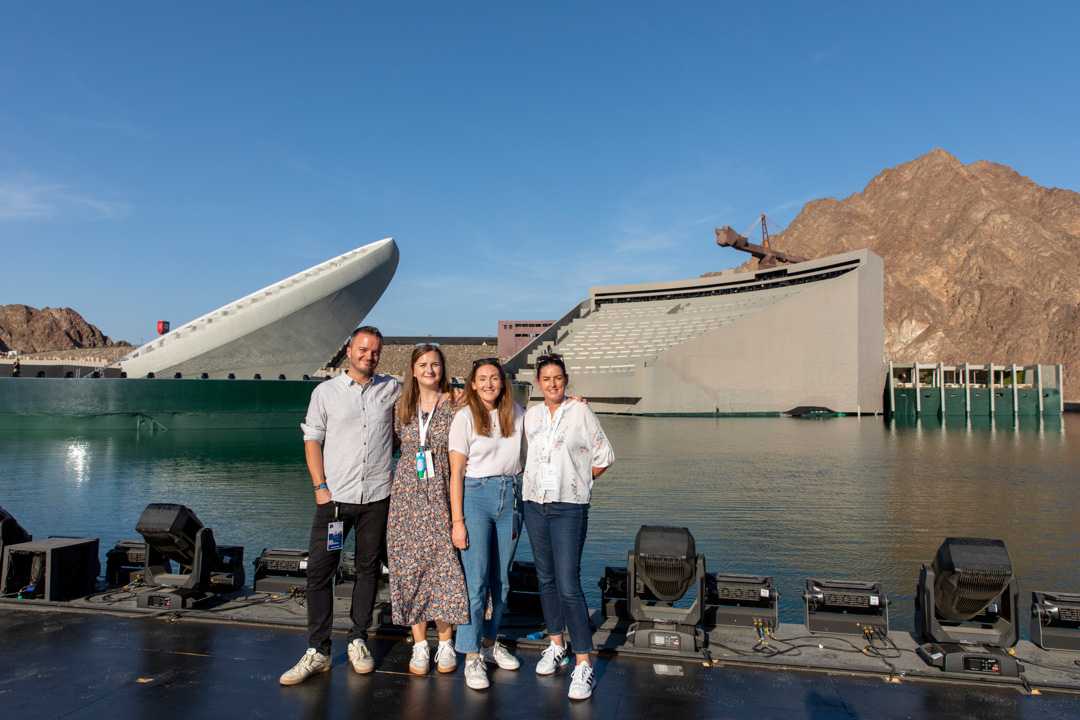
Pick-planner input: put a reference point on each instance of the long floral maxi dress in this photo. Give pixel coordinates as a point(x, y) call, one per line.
point(426, 578)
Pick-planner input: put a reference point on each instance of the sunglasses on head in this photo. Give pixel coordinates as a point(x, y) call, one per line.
point(550, 357)
point(486, 361)
point(427, 344)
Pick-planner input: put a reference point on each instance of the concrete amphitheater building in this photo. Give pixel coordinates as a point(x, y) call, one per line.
point(808, 334)
point(290, 328)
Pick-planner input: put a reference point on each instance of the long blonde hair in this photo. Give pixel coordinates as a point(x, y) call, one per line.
point(410, 395)
point(504, 403)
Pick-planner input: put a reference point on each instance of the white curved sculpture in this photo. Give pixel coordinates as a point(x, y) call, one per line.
point(290, 328)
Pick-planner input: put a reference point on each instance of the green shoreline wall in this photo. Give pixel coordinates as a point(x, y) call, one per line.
point(29, 403)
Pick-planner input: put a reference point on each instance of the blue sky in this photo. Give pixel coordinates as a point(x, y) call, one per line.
point(157, 162)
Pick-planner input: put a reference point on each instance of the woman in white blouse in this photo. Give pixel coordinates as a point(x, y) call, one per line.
point(567, 451)
point(485, 510)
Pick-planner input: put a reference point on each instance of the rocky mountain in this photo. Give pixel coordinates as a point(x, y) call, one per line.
point(30, 330)
point(981, 263)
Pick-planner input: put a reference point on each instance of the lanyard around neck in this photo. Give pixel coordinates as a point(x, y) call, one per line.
point(553, 427)
point(425, 425)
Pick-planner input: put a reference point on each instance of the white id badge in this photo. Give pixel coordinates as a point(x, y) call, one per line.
point(429, 462)
point(335, 535)
point(549, 478)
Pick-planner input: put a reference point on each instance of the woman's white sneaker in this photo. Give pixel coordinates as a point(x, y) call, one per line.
point(581, 682)
point(445, 657)
point(476, 673)
point(553, 658)
point(499, 655)
point(311, 663)
point(421, 658)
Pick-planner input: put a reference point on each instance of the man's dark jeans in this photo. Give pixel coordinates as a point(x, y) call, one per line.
point(369, 521)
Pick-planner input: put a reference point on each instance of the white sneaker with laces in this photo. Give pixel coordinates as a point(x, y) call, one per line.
point(581, 682)
point(445, 657)
point(476, 676)
point(310, 663)
point(421, 658)
point(499, 655)
point(360, 657)
point(553, 658)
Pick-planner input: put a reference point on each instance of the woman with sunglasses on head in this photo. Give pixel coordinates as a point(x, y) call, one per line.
point(485, 487)
point(426, 579)
point(567, 451)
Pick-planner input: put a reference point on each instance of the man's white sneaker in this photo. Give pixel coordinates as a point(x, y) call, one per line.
point(360, 657)
point(581, 682)
point(499, 655)
point(553, 658)
point(421, 658)
point(476, 673)
point(310, 663)
point(445, 657)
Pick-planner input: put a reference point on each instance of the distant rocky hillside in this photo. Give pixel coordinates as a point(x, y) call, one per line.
point(30, 330)
point(981, 263)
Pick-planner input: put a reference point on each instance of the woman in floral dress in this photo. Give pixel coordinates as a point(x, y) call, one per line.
point(426, 579)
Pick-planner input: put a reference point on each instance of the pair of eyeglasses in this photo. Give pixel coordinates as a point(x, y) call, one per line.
point(486, 361)
point(548, 358)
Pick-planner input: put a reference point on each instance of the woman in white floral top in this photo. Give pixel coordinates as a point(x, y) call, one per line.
point(567, 451)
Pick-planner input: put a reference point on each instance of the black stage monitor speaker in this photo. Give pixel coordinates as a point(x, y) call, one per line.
point(741, 601)
point(524, 594)
point(11, 532)
point(1055, 620)
point(665, 564)
point(848, 607)
point(55, 569)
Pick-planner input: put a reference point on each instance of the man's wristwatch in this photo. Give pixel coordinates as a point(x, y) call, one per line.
point(322, 486)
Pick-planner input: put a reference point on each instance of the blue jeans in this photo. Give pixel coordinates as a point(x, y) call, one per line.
point(493, 519)
point(557, 534)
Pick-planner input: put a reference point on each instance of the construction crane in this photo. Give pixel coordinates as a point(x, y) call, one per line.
point(727, 236)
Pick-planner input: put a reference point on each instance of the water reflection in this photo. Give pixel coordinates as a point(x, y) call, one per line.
point(77, 458)
point(834, 498)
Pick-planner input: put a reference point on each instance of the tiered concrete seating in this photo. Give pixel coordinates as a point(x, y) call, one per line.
point(619, 337)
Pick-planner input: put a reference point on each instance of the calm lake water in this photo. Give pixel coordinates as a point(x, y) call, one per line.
point(846, 497)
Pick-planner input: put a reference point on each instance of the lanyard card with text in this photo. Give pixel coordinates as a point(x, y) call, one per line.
point(335, 535)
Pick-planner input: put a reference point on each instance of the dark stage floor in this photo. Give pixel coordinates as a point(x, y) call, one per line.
point(73, 665)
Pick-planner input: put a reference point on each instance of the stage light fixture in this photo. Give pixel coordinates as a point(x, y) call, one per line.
point(849, 607)
point(279, 570)
point(125, 563)
point(741, 601)
point(1055, 620)
point(174, 534)
point(666, 564)
point(966, 608)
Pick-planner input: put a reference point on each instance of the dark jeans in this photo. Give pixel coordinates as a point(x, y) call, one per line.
point(369, 520)
point(557, 535)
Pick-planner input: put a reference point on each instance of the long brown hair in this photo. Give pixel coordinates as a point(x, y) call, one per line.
point(504, 403)
point(410, 395)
